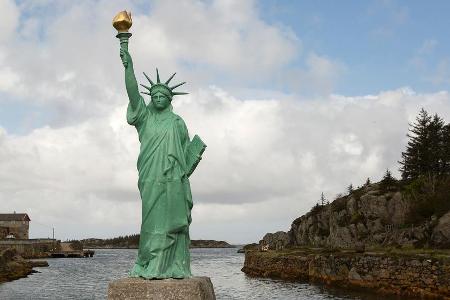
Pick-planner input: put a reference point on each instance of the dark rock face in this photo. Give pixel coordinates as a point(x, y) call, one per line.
point(276, 241)
point(426, 277)
point(369, 218)
point(38, 263)
point(248, 247)
point(365, 218)
point(13, 266)
point(441, 233)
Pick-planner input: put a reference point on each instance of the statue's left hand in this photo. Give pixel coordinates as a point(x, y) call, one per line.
point(126, 58)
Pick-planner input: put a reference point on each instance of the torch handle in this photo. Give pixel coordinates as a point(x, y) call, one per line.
point(123, 38)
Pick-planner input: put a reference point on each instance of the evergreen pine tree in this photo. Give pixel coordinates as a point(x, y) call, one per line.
point(368, 181)
point(435, 155)
point(446, 150)
point(388, 181)
point(350, 189)
point(415, 157)
point(322, 199)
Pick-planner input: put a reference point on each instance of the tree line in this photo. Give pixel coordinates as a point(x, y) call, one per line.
point(424, 167)
point(427, 153)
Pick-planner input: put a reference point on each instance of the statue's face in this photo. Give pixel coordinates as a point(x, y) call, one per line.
point(160, 101)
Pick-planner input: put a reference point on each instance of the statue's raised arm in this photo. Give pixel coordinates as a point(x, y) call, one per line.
point(122, 22)
point(130, 79)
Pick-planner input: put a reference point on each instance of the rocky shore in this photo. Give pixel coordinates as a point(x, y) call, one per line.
point(377, 237)
point(371, 216)
point(406, 275)
point(13, 266)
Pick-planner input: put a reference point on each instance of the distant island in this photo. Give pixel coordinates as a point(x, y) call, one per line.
point(132, 242)
point(391, 237)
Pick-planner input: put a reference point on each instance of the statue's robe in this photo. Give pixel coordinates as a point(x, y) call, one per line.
point(165, 193)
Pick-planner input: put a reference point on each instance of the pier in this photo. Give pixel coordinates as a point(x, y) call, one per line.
point(73, 254)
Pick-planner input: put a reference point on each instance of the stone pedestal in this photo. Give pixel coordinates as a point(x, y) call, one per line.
point(195, 288)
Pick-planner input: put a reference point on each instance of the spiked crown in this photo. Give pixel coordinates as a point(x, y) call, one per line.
point(162, 87)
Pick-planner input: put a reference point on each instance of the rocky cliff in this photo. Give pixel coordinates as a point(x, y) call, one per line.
point(367, 217)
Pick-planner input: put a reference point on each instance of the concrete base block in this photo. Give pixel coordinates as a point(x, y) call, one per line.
point(195, 288)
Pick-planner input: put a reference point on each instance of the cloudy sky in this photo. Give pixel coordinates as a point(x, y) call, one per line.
point(293, 98)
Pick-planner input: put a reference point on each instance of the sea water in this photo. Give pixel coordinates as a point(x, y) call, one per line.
point(88, 278)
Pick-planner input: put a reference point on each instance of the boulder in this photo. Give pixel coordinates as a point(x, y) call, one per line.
point(374, 207)
point(277, 240)
point(441, 233)
point(398, 209)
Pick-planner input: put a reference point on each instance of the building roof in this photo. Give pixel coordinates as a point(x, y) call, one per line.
point(14, 217)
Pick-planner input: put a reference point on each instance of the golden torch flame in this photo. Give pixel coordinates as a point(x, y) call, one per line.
point(122, 21)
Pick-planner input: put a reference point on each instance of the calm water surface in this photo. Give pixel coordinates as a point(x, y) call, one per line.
point(88, 278)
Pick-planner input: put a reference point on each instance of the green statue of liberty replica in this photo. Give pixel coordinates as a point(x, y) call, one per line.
point(166, 160)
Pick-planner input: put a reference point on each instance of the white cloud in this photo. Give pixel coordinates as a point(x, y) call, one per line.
point(9, 20)
point(319, 76)
point(222, 35)
point(267, 160)
point(8, 79)
point(261, 155)
point(201, 40)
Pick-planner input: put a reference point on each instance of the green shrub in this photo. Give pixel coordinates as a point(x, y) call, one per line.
point(427, 199)
point(344, 220)
point(323, 232)
point(357, 218)
point(339, 204)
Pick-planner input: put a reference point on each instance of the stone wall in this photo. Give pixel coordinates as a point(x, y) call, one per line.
point(405, 276)
point(32, 248)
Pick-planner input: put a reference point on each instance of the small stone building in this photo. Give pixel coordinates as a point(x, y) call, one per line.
point(14, 224)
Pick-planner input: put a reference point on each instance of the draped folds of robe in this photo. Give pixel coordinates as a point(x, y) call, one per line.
point(165, 193)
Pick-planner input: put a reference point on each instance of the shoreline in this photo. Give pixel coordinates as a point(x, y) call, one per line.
point(196, 247)
point(223, 247)
point(419, 275)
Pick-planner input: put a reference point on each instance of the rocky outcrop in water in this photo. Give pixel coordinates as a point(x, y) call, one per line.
point(368, 217)
point(13, 266)
point(209, 244)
